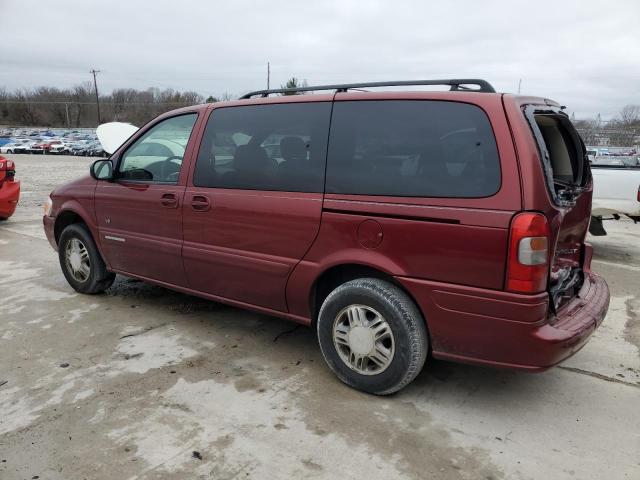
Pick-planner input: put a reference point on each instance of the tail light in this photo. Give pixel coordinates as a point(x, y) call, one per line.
point(7, 169)
point(528, 264)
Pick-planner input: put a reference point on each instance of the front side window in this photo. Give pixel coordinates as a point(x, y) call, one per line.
point(265, 147)
point(157, 155)
point(412, 148)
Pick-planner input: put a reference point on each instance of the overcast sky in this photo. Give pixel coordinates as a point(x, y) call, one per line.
point(585, 54)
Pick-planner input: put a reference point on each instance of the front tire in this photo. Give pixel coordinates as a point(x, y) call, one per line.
point(81, 262)
point(372, 335)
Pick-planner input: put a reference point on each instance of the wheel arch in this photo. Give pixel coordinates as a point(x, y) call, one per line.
point(69, 216)
point(336, 275)
point(64, 219)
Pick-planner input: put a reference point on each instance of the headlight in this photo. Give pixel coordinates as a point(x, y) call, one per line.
point(48, 204)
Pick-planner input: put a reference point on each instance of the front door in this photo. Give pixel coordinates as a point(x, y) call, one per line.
point(139, 214)
point(253, 207)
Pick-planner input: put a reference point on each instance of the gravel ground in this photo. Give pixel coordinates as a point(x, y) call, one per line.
point(142, 382)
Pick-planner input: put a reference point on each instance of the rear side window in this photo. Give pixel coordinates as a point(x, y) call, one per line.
point(265, 147)
point(409, 148)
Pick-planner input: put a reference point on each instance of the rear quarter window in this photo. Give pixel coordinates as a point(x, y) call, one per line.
point(410, 148)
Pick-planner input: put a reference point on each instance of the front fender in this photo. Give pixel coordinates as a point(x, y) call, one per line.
point(86, 213)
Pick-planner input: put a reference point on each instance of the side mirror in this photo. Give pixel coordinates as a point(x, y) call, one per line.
point(101, 170)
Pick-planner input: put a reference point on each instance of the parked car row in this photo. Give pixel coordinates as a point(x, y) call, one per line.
point(60, 142)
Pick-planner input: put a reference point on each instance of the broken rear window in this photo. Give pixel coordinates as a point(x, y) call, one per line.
point(562, 151)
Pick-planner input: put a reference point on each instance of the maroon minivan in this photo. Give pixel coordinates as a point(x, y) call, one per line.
point(397, 223)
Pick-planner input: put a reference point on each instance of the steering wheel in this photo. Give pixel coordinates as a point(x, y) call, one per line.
point(170, 176)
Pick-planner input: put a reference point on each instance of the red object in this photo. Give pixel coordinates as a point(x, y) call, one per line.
point(272, 251)
point(9, 188)
point(528, 230)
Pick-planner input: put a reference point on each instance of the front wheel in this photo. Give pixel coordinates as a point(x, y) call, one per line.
point(81, 262)
point(372, 335)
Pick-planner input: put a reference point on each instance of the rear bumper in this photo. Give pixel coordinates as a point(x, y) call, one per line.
point(501, 329)
point(9, 197)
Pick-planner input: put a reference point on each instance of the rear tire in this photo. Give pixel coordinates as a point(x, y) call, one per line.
point(372, 336)
point(81, 262)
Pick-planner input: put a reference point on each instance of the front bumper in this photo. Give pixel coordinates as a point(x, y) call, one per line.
point(501, 329)
point(49, 223)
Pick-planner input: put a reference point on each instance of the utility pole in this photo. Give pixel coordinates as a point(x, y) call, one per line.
point(519, 84)
point(95, 84)
point(268, 75)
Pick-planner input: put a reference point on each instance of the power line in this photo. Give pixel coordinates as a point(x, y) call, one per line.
point(95, 84)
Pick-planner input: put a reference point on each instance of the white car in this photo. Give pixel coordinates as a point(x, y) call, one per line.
point(616, 192)
point(8, 147)
point(24, 147)
point(59, 148)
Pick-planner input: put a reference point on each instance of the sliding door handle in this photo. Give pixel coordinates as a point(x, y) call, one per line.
point(200, 203)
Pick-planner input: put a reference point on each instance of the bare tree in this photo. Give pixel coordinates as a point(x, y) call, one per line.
point(75, 107)
point(629, 115)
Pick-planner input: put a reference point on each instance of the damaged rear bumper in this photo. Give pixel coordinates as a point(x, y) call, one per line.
point(502, 329)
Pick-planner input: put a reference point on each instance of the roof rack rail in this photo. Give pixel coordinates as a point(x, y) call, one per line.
point(458, 84)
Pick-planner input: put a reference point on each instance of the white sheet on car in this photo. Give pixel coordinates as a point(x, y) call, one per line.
point(114, 134)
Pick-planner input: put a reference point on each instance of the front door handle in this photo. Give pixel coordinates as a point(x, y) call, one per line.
point(200, 203)
point(169, 200)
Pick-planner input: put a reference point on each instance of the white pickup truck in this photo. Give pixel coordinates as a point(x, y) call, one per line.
point(616, 192)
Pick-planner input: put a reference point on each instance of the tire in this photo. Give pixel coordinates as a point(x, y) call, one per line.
point(94, 279)
point(406, 346)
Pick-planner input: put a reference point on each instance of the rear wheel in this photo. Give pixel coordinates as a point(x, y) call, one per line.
point(372, 335)
point(81, 262)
